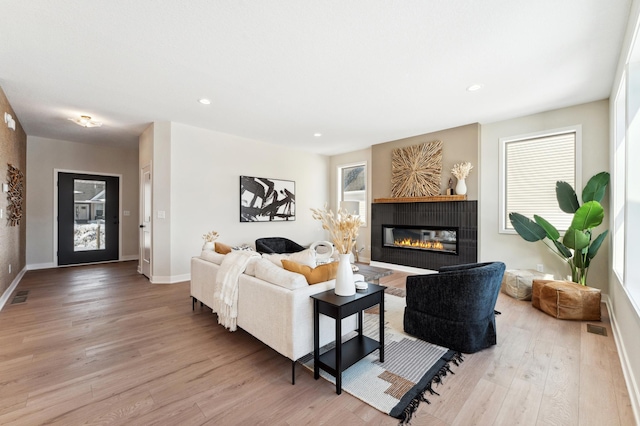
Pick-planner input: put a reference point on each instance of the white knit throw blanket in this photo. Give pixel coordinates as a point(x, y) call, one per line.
point(226, 298)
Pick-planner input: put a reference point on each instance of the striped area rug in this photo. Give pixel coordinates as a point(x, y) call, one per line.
point(411, 371)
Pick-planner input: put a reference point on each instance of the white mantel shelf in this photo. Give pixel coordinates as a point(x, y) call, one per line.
point(434, 199)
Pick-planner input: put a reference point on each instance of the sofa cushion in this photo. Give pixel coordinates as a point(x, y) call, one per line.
point(212, 256)
point(222, 248)
point(267, 271)
point(275, 258)
point(304, 257)
point(315, 275)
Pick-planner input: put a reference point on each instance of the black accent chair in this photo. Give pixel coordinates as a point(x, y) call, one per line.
point(277, 245)
point(455, 307)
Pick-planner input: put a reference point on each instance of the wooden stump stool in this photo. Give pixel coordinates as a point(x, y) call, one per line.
point(566, 300)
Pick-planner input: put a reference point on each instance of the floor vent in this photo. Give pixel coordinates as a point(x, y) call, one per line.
point(596, 329)
point(20, 297)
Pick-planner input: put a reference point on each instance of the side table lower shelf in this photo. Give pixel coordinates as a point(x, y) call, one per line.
point(353, 351)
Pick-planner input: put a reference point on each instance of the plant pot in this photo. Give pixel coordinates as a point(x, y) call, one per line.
point(344, 277)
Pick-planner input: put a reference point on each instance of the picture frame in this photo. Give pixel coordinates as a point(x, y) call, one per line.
point(267, 199)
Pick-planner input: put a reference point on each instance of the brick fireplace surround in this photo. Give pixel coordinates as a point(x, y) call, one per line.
point(462, 215)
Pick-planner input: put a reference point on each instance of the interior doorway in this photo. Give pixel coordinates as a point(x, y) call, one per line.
point(145, 226)
point(88, 218)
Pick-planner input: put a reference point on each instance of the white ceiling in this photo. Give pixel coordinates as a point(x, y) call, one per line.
point(360, 72)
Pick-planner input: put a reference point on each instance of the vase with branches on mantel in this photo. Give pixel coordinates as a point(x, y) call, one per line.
point(461, 172)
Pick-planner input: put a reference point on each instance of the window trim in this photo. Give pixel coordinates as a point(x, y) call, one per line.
point(577, 129)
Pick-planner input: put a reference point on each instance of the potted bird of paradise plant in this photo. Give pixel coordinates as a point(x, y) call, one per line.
point(577, 246)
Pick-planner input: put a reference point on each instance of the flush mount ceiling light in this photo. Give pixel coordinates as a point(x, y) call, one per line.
point(204, 101)
point(317, 135)
point(475, 87)
point(85, 121)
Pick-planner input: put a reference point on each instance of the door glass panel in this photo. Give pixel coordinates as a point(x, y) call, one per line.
point(89, 210)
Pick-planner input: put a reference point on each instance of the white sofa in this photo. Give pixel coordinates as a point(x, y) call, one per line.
point(274, 305)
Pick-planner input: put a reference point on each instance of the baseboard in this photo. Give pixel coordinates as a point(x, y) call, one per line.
point(169, 279)
point(632, 384)
point(7, 293)
point(402, 268)
point(35, 266)
point(129, 257)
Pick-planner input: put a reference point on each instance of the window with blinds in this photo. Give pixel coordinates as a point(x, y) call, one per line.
point(531, 167)
point(353, 186)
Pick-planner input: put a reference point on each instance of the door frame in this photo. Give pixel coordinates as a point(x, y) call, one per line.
point(55, 211)
point(141, 219)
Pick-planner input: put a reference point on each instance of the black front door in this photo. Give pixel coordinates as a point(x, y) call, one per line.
point(88, 218)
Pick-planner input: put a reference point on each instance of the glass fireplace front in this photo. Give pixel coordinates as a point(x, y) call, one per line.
point(443, 240)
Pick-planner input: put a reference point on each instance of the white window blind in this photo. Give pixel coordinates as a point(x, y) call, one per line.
point(532, 166)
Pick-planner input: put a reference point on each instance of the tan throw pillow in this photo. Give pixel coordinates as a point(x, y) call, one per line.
point(222, 248)
point(315, 275)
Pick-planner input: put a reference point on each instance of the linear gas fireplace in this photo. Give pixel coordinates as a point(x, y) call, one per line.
point(430, 238)
point(426, 235)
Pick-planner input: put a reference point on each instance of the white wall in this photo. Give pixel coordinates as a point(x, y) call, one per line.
point(512, 249)
point(45, 155)
point(202, 185)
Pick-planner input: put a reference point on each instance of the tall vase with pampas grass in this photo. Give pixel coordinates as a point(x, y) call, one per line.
point(343, 229)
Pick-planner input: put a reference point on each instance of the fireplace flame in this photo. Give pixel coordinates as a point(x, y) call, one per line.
point(408, 242)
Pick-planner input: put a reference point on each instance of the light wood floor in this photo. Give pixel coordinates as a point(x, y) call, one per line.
point(100, 345)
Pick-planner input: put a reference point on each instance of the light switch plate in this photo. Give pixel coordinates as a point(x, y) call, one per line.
point(126, 213)
point(161, 214)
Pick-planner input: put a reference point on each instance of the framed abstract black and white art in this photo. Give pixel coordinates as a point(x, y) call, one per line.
point(267, 200)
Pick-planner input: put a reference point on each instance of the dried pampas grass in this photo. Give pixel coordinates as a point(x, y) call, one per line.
point(343, 228)
point(461, 170)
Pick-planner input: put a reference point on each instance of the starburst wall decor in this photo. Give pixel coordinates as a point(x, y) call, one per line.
point(416, 170)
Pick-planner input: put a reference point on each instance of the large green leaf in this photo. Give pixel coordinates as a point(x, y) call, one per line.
point(575, 239)
point(551, 230)
point(566, 196)
point(588, 216)
point(528, 229)
point(594, 191)
point(562, 249)
point(595, 245)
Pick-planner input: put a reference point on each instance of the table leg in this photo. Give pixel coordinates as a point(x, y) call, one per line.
point(381, 307)
point(316, 341)
point(339, 354)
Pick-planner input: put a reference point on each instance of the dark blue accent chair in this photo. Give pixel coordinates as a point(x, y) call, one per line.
point(455, 307)
point(277, 245)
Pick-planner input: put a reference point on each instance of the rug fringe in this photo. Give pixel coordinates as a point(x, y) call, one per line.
point(409, 411)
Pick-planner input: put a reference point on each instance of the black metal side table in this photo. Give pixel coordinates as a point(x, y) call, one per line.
point(345, 354)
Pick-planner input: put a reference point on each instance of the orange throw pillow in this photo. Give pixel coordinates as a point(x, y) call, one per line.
point(222, 248)
point(315, 275)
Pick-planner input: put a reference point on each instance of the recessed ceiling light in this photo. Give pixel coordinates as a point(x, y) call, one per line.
point(204, 101)
point(475, 87)
point(86, 121)
point(317, 135)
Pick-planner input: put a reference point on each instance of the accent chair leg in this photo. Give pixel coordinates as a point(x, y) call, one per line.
point(193, 303)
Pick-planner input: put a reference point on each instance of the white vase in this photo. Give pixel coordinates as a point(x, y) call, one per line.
point(461, 187)
point(344, 277)
point(208, 245)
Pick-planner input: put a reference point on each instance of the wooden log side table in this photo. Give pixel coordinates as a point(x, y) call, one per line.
point(345, 354)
